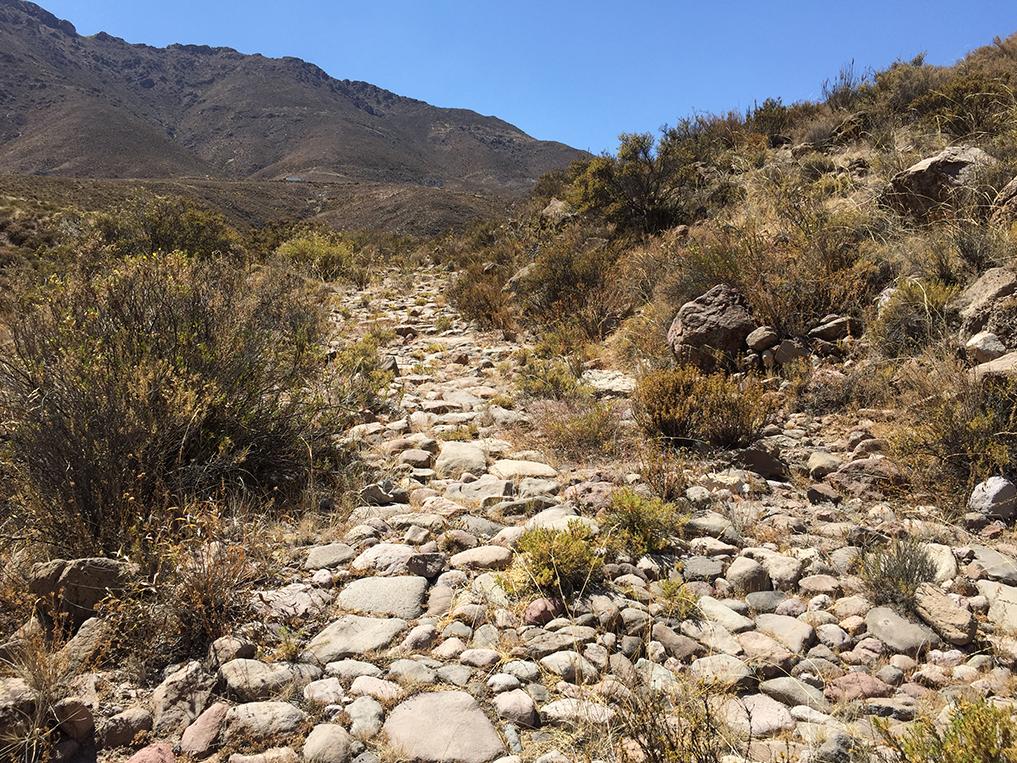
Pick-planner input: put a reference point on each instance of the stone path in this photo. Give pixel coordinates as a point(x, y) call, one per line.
point(411, 650)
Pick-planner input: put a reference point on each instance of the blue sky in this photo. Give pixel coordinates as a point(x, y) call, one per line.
point(576, 71)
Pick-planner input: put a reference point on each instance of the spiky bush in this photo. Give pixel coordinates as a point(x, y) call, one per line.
point(893, 572)
point(556, 563)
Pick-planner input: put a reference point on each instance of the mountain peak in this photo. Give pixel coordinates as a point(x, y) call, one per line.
point(98, 106)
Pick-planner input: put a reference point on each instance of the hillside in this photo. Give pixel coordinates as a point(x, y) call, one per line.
point(707, 453)
point(101, 107)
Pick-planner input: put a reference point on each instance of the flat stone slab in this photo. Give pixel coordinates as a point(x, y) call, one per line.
point(400, 596)
point(899, 634)
point(445, 726)
point(511, 469)
point(352, 636)
point(328, 556)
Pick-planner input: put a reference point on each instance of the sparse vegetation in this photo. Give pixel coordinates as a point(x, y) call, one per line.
point(580, 430)
point(154, 382)
point(892, 572)
point(977, 731)
point(958, 431)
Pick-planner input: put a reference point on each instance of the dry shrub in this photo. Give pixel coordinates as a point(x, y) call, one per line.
point(573, 280)
point(580, 429)
point(555, 379)
point(663, 469)
point(893, 572)
point(163, 224)
point(957, 431)
point(672, 726)
point(480, 296)
point(327, 256)
point(128, 390)
point(636, 525)
point(688, 406)
point(28, 732)
point(198, 590)
point(867, 383)
point(914, 318)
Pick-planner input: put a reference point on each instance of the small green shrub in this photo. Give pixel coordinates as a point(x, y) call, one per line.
point(327, 257)
point(912, 319)
point(678, 601)
point(480, 296)
point(636, 525)
point(893, 572)
point(554, 379)
point(556, 563)
point(977, 732)
point(162, 225)
point(675, 725)
point(688, 406)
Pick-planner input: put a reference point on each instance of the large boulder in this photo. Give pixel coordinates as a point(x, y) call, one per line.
point(974, 306)
point(931, 183)
point(1004, 208)
point(711, 329)
point(74, 588)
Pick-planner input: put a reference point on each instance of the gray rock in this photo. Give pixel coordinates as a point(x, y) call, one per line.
point(790, 691)
point(366, 715)
point(328, 556)
point(261, 721)
point(930, 183)
point(516, 706)
point(350, 636)
point(950, 620)
point(180, 699)
point(723, 669)
point(791, 632)
point(401, 596)
point(712, 328)
point(899, 634)
point(457, 458)
point(571, 666)
point(327, 743)
point(447, 726)
point(252, 680)
point(996, 497)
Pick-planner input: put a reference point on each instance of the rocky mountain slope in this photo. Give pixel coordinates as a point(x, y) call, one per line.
point(100, 107)
point(391, 635)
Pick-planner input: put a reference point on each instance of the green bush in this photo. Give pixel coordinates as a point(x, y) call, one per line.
point(913, 318)
point(977, 731)
point(480, 296)
point(893, 572)
point(580, 429)
point(687, 406)
point(636, 525)
point(164, 378)
point(327, 257)
point(556, 563)
point(554, 379)
point(163, 225)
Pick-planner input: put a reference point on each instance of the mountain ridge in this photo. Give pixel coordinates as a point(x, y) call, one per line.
point(98, 106)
